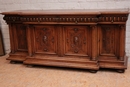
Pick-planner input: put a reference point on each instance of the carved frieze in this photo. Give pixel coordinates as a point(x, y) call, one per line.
point(66, 19)
point(113, 19)
point(73, 19)
point(11, 18)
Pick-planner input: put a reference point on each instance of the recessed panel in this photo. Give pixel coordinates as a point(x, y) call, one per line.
point(21, 37)
point(45, 39)
point(76, 40)
point(109, 36)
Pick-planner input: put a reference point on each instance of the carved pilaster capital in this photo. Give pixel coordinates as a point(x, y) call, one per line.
point(29, 26)
point(93, 26)
point(122, 26)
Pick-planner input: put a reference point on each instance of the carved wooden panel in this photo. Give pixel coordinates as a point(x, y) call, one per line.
point(109, 40)
point(45, 39)
point(21, 37)
point(76, 40)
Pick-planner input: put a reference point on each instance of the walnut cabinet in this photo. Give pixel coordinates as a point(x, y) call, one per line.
point(86, 39)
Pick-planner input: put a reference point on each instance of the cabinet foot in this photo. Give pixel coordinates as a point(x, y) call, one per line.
point(120, 70)
point(13, 62)
point(30, 66)
point(93, 71)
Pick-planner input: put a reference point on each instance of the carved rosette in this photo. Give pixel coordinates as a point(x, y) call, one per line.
point(122, 26)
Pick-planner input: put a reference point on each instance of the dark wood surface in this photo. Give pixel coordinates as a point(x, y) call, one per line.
point(2, 52)
point(87, 39)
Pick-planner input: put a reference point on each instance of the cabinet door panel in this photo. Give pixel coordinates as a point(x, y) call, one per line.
point(76, 40)
point(45, 39)
point(21, 37)
point(109, 40)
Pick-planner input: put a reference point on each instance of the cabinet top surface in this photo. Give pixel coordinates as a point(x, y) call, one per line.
point(67, 12)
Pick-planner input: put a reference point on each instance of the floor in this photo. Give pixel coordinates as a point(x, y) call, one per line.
point(19, 75)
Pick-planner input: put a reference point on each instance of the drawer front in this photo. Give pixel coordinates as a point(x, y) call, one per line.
point(77, 40)
point(45, 39)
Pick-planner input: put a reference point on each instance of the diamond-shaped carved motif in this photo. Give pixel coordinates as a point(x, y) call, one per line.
point(76, 38)
point(45, 37)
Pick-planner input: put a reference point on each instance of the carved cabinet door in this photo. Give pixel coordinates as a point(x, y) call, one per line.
point(45, 39)
point(109, 37)
point(77, 40)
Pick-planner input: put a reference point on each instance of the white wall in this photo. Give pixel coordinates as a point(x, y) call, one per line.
point(9, 5)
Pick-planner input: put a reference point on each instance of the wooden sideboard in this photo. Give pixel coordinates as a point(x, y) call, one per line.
point(86, 39)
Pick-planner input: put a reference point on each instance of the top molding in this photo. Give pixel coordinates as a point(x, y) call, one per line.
point(67, 12)
point(67, 16)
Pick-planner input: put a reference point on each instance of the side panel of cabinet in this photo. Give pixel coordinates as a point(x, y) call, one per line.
point(77, 40)
point(18, 37)
point(109, 40)
point(21, 37)
point(18, 40)
point(45, 39)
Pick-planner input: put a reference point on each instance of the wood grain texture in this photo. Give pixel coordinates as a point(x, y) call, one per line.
point(88, 39)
